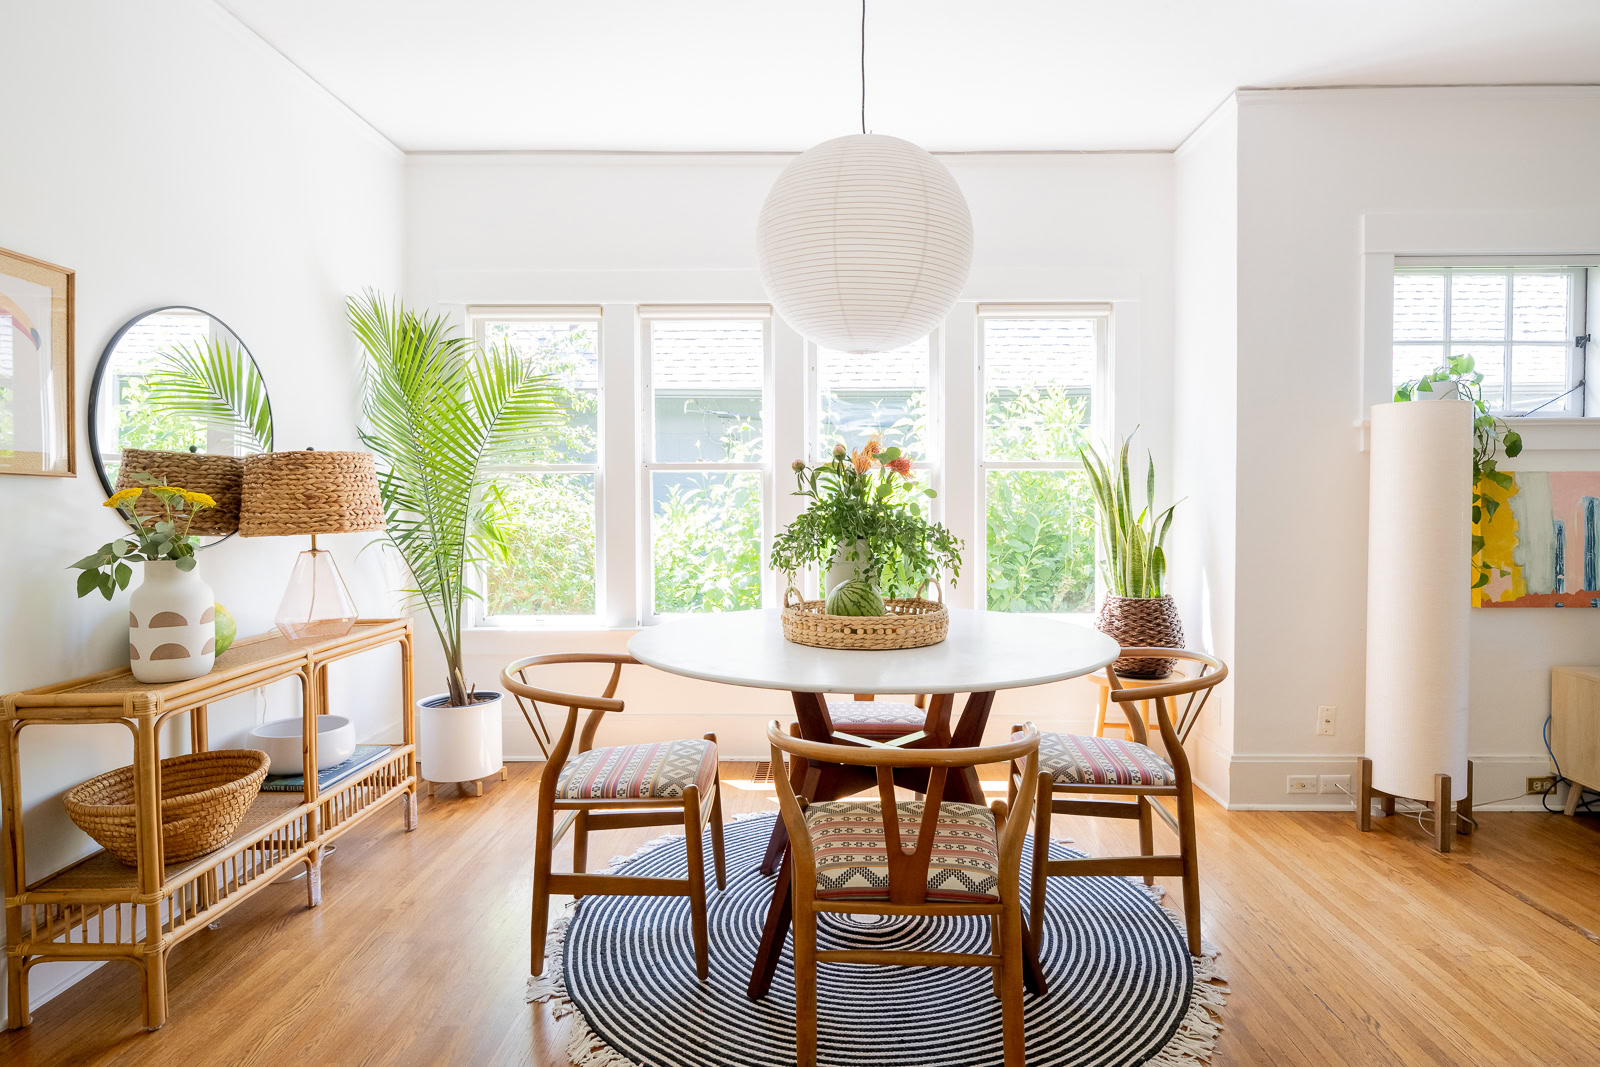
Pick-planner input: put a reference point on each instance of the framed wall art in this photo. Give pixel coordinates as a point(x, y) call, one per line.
point(36, 395)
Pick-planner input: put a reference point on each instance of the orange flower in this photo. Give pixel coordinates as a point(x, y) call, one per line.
point(901, 466)
point(874, 445)
point(862, 461)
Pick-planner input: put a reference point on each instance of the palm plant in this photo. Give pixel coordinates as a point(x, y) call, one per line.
point(214, 383)
point(1134, 561)
point(439, 412)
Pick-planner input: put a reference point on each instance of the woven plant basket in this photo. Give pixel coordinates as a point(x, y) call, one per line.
point(1148, 622)
point(219, 477)
point(204, 797)
point(912, 622)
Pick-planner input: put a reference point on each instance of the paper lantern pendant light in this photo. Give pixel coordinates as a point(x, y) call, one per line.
point(864, 243)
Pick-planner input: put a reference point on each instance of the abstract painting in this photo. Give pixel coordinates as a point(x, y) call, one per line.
point(1541, 543)
point(36, 425)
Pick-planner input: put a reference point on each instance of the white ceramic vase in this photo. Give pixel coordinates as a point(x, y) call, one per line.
point(172, 625)
point(459, 744)
point(843, 568)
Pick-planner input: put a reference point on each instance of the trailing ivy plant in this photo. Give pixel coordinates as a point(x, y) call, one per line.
point(1489, 436)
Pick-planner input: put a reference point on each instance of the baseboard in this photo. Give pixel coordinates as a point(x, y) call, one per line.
point(1256, 782)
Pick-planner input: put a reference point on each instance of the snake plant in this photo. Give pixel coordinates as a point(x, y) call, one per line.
point(1133, 559)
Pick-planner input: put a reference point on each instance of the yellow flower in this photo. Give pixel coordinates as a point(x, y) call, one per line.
point(199, 500)
point(122, 496)
point(166, 491)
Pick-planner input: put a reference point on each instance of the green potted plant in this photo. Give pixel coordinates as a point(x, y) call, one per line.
point(171, 626)
point(1461, 378)
point(864, 524)
point(1136, 611)
point(439, 411)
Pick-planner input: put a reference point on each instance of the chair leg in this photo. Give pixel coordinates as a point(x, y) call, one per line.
point(697, 882)
point(1100, 712)
point(1147, 836)
point(1011, 1009)
point(805, 983)
point(541, 902)
point(719, 856)
point(580, 846)
point(1191, 867)
point(997, 945)
point(1041, 862)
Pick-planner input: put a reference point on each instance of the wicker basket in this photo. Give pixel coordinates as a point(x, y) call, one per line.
point(912, 622)
point(219, 477)
point(1142, 622)
point(204, 797)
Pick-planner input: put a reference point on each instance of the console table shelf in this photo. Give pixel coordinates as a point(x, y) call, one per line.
point(99, 908)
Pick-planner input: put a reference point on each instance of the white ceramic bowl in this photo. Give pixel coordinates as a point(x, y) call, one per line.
point(281, 741)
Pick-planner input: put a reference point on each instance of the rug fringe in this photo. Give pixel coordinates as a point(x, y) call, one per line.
point(1196, 1038)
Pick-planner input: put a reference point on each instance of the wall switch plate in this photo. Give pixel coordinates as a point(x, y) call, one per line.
point(1325, 720)
point(1302, 783)
point(1541, 784)
point(1333, 783)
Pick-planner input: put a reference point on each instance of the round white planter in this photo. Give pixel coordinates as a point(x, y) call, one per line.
point(843, 568)
point(459, 744)
point(172, 627)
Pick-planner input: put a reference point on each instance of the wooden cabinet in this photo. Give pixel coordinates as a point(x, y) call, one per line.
point(1575, 727)
point(100, 909)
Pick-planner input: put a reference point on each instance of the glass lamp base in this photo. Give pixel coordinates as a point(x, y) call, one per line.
point(317, 602)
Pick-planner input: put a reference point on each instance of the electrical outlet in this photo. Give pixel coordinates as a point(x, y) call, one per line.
point(1333, 783)
point(1541, 784)
point(1302, 783)
point(1325, 720)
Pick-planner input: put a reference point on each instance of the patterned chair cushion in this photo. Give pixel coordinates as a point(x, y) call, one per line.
point(852, 853)
point(662, 771)
point(1078, 759)
point(876, 720)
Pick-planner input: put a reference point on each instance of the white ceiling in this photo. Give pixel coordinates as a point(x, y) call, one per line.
point(948, 74)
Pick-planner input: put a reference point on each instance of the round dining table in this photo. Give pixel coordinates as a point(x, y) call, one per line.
point(985, 652)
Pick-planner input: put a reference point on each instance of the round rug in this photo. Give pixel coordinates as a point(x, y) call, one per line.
point(1123, 988)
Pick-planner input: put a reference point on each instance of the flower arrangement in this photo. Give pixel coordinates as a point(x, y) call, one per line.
point(865, 504)
point(163, 536)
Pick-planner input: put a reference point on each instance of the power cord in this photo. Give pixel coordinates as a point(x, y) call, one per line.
point(1544, 801)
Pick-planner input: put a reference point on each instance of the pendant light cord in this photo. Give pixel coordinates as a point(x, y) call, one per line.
point(863, 66)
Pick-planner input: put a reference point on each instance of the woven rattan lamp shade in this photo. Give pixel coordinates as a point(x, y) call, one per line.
point(289, 493)
point(219, 477)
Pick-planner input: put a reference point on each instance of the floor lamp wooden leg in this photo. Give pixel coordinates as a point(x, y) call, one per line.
point(1364, 794)
point(1443, 813)
point(1464, 808)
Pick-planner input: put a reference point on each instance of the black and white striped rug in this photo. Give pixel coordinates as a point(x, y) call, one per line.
point(1123, 987)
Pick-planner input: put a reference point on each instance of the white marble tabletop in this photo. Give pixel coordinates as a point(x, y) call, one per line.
point(985, 651)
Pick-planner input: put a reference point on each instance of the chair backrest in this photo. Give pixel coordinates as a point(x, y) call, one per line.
point(908, 870)
point(556, 748)
point(1197, 687)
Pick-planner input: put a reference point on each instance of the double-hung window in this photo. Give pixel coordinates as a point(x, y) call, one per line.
point(1040, 368)
point(1521, 325)
point(704, 429)
point(550, 499)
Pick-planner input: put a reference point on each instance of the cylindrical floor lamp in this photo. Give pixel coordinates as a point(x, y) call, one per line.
point(1419, 578)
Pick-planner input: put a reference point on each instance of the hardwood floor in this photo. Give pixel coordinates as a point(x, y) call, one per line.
point(1341, 948)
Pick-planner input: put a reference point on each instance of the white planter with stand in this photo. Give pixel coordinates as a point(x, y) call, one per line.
point(460, 744)
point(172, 626)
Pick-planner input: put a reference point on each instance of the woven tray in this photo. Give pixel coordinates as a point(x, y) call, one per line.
point(912, 622)
point(204, 798)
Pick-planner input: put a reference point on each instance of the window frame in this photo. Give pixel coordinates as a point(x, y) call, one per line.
point(1101, 425)
point(478, 616)
point(648, 466)
point(1579, 271)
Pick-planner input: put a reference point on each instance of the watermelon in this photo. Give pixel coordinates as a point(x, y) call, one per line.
point(227, 629)
point(854, 596)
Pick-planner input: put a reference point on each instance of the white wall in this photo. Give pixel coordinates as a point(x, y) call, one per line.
point(169, 156)
point(587, 228)
point(1315, 169)
point(1205, 384)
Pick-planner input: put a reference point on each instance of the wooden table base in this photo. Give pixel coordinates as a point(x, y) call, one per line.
point(832, 781)
point(1444, 816)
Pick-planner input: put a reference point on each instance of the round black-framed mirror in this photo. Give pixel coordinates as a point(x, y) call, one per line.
point(176, 378)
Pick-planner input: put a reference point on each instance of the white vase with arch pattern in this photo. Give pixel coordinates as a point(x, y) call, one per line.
point(172, 625)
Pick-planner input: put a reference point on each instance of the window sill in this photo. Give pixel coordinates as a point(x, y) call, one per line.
point(1556, 434)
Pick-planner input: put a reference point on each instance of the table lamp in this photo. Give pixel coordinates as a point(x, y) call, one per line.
point(299, 493)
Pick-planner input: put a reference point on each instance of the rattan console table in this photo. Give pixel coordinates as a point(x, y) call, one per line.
point(99, 909)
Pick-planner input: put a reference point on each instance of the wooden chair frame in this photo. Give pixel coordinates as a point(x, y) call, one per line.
point(908, 872)
point(1145, 802)
point(690, 811)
